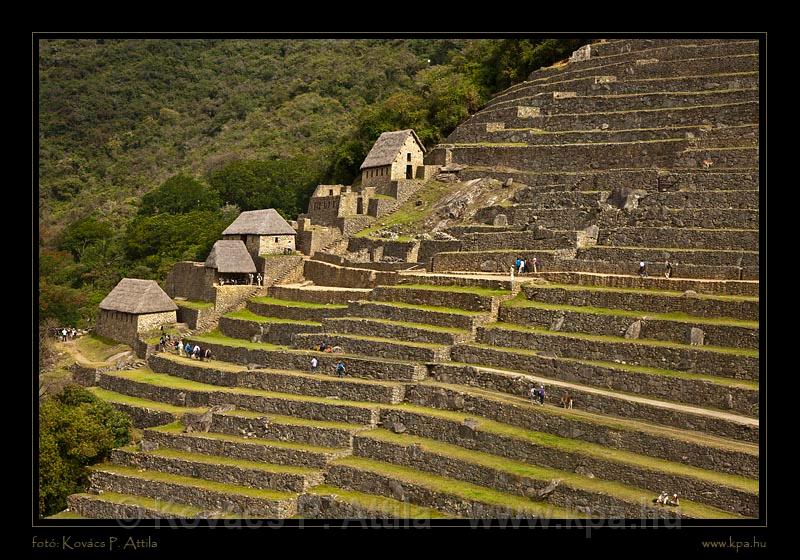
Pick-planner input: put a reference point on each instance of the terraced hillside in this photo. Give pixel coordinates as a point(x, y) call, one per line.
point(646, 150)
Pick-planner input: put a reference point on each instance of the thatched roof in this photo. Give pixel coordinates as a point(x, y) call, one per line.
point(230, 255)
point(387, 146)
point(136, 296)
point(259, 222)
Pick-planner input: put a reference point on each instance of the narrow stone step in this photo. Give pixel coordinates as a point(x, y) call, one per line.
point(708, 360)
point(447, 495)
point(725, 491)
point(716, 392)
point(263, 450)
point(180, 392)
point(220, 468)
point(693, 448)
point(592, 496)
point(279, 381)
point(231, 499)
point(113, 505)
point(397, 330)
point(330, 502)
point(377, 347)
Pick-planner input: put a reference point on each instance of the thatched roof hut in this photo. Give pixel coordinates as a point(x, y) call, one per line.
point(387, 146)
point(230, 256)
point(136, 296)
point(259, 222)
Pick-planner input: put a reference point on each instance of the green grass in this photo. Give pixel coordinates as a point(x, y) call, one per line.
point(669, 293)
point(209, 485)
point(357, 337)
point(178, 428)
point(434, 308)
point(406, 324)
point(293, 421)
point(372, 502)
point(727, 381)
point(612, 422)
point(543, 474)
point(216, 337)
point(581, 447)
point(194, 304)
point(170, 453)
point(144, 375)
point(477, 290)
point(98, 348)
point(291, 303)
point(67, 514)
point(747, 352)
point(111, 396)
point(176, 509)
point(247, 315)
point(463, 490)
point(522, 301)
point(410, 214)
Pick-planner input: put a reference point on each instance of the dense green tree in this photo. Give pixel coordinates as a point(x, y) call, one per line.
point(178, 195)
point(76, 429)
point(80, 234)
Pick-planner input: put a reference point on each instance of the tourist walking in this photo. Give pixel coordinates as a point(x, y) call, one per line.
point(642, 270)
point(541, 395)
point(667, 269)
point(259, 278)
point(340, 370)
point(207, 354)
point(196, 353)
point(314, 364)
point(63, 335)
point(535, 265)
point(522, 266)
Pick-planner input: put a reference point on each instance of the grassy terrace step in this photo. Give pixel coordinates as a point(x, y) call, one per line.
point(265, 450)
point(220, 468)
point(113, 505)
point(445, 494)
point(672, 327)
point(598, 497)
point(679, 256)
point(192, 304)
point(615, 369)
point(247, 315)
point(568, 453)
point(330, 502)
point(656, 283)
point(67, 514)
point(725, 362)
point(175, 390)
point(288, 309)
point(201, 493)
point(684, 272)
point(726, 307)
point(426, 314)
point(144, 413)
point(281, 381)
point(317, 294)
point(459, 297)
point(594, 396)
point(399, 330)
point(639, 437)
point(320, 433)
point(425, 278)
point(377, 347)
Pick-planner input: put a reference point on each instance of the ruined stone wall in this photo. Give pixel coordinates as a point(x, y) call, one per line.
point(404, 250)
point(151, 321)
point(274, 333)
point(429, 247)
point(190, 280)
point(325, 274)
point(228, 298)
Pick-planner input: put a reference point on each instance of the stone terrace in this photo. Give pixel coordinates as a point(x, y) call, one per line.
point(647, 150)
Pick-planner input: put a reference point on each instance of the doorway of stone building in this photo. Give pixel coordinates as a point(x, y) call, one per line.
point(409, 171)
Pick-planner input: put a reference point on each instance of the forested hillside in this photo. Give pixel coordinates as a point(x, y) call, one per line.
point(149, 148)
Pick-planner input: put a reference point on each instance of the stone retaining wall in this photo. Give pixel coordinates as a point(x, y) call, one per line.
point(274, 333)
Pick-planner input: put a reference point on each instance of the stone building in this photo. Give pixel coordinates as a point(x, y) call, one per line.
point(263, 232)
point(394, 156)
point(230, 262)
point(134, 306)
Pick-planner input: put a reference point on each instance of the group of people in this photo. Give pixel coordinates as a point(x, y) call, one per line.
point(193, 351)
point(665, 499)
point(667, 269)
point(258, 278)
point(325, 347)
point(522, 266)
point(340, 367)
point(538, 393)
point(64, 334)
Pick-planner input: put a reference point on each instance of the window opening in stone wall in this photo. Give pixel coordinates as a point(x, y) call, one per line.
point(276, 240)
point(330, 192)
point(408, 156)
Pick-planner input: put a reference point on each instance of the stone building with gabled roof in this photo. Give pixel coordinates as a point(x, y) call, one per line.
point(394, 156)
point(264, 232)
point(134, 306)
point(230, 260)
